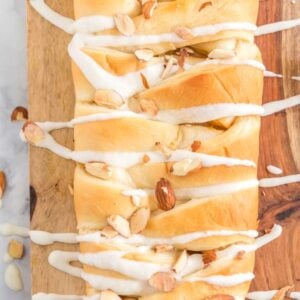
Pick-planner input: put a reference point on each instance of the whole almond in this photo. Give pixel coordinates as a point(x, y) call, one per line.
point(209, 256)
point(148, 8)
point(99, 170)
point(144, 54)
point(149, 107)
point(120, 224)
point(2, 183)
point(162, 281)
point(181, 262)
point(15, 249)
point(109, 295)
point(124, 24)
point(139, 220)
point(165, 194)
point(109, 232)
point(108, 98)
point(20, 113)
point(33, 133)
point(184, 32)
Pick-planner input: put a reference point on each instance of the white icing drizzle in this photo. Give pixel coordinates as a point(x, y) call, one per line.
point(276, 27)
point(8, 229)
point(276, 106)
point(297, 78)
point(13, 278)
point(46, 238)
point(274, 170)
point(272, 182)
point(43, 296)
point(268, 295)
point(272, 74)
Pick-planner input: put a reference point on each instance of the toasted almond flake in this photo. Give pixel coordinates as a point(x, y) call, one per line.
point(184, 32)
point(165, 194)
point(15, 249)
point(149, 107)
point(109, 295)
point(71, 189)
point(148, 8)
point(209, 256)
point(99, 170)
point(282, 293)
point(144, 81)
point(146, 159)
point(185, 166)
point(240, 255)
point(181, 262)
point(196, 146)
point(20, 113)
point(124, 24)
point(221, 53)
point(120, 224)
point(139, 220)
point(108, 98)
point(204, 5)
point(162, 281)
point(33, 133)
point(2, 183)
point(170, 62)
point(144, 54)
point(163, 148)
point(136, 200)
point(109, 232)
point(163, 248)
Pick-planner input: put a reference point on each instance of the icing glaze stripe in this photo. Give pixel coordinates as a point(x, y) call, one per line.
point(276, 106)
point(276, 27)
point(8, 229)
point(277, 181)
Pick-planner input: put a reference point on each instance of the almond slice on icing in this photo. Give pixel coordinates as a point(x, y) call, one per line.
point(15, 249)
point(221, 54)
point(148, 8)
point(144, 54)
point(139, 220)
point(99, 170)
point(162, 281)
point(163, 248)
point(170, 62)
point(196, 146)
point(281, 294)
point(165, 194)
point(209, 256)
point(120, 224)
point(144, 81)
point(109, 295)
point(184, 32)
point(181, 262)
point(2, 183)
point(20, 113)
point(124, 24)
point(163, 148)
point(33, 133)
point(109, 232)
point(108, 98)
point(149, 107)
point(185, 166)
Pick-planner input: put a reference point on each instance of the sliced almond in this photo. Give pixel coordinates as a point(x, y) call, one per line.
point(124, 24)
point(240, 255)
point(181, 262)
point(144, 54)
point(170, 62)
point(33, 133)
point(205, 4)
point(2, 183)
point(163, 248)
point(139, 220)
point(163, 148)
point(71, 189)
point(209, 256)
point(15, 249)
point(185, 166)
point(196, 146)
point(182, 55)
point(165, 194)
point(109, 232)
point(20, 113)
point(282, 293)
point(99, 170)
point(148, 8)
point(108, 98)
point(120, 224)
point(109, 295)
point(184, 32)
point(146, 159)
point(162, 281)
point(221, 54)
point(144, 81)
point(149, 107)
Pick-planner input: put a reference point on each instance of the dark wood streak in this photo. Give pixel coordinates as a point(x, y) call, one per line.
point(33, 201)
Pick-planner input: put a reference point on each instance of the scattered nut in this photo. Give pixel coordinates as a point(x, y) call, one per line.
point(33, 133)
point(209, 256)
point(148, 8)
point(162, 281)
point(109, 232)
point(99, 170)
point(144, 54)
point(120, 224)
point(185, 166)
point(181, 262)
point(204, 5)
point(124, 24)
point(240, 255)
point(149, 107)
point(163, 148)
point(71, 189)
point(136, 200)
point(108, 98)
point(182, 55)
point(139, 220)
point(282, 293)
point(184, 33)
point(170, 62)
point(109, 295)
point(144, 81)
point(163, 248)
point(196, 146)
point(20, 113)
point(165, 195)
point(221, 54)
point(15, 249)
point(2, 183)
point(146, 159)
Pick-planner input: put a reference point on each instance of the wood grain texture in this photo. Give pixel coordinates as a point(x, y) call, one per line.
point(51, 98)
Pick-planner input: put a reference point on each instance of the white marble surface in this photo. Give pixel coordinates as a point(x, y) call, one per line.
point(13, 153)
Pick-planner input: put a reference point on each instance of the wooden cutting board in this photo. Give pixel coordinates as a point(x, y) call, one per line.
point(51, 97)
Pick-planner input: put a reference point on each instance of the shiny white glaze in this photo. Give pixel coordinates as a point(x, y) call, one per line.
point(276, 27)
point(277, 106)
point(277, 181)
point(47, 238)
point(8, 229)
point(274, 170)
